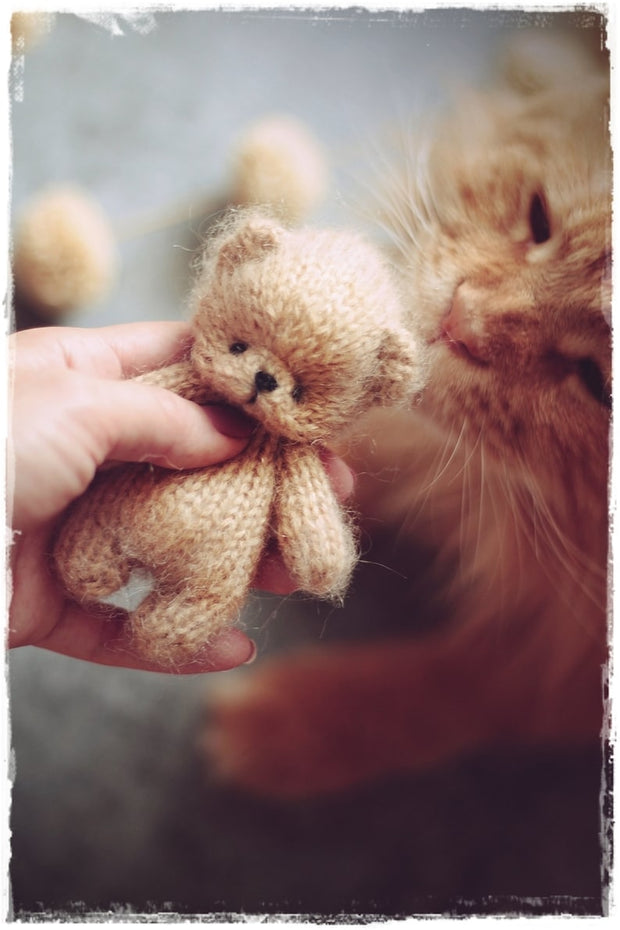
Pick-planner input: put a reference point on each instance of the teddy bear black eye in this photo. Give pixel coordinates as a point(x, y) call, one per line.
point(297, 393)
point(238, 348)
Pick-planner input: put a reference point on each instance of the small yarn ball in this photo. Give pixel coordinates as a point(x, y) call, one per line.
point(64, 252)
point(280, 164)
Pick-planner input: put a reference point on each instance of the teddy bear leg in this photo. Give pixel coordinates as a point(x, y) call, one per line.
point(172, 630)
point(86, 579)
point(203, 574)
point(91, 555)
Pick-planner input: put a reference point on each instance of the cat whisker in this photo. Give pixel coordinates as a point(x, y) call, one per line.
point(570, 561)
point(419, 188)
point(453, 447)
point(498, 583)
point(466, 508)
point(481, 499)
point(385, 567)
point(445, 456)
point(471, 454)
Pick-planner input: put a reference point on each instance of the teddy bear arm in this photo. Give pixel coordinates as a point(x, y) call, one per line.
point(314, 534)
point(181, 378)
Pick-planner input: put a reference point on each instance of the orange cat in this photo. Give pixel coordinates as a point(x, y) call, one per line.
point(502, 226)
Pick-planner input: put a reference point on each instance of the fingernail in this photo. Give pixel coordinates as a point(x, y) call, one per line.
point(232, 422)
point(253, 653)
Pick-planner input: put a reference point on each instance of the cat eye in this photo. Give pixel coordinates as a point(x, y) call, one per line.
point(540, 225)
point(238, 348)
point(593, 380)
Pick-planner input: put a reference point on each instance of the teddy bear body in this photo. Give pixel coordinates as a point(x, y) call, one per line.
point(200, 579)
point(301, 329)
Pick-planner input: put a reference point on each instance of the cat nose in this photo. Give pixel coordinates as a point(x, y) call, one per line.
point(265, 382)
point(461, 327)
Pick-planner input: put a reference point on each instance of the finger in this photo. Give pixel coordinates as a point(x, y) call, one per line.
point(272, 574)
point(92, 638)
point(106, 352)
point(144, 423)
point(141, 347)
point(342, 478)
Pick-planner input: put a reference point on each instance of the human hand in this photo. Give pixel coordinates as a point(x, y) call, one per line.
point(73, 410)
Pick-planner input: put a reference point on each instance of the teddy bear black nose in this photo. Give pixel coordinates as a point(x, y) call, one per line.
point(264, 381)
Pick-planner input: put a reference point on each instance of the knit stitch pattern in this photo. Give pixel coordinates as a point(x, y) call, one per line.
point(303, 330)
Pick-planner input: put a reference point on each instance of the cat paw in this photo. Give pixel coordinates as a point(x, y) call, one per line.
point(274, 733)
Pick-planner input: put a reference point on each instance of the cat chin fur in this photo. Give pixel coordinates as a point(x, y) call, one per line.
point(520, 553)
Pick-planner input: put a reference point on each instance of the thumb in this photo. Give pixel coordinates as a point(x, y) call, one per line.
point(151, 424)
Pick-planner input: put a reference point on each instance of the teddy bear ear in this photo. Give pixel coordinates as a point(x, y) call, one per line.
point(252, 239)
point(399, 371)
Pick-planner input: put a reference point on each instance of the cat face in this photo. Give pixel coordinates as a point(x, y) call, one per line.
point(506, 257)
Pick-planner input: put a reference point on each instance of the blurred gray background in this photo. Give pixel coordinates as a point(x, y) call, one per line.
point(112, 808)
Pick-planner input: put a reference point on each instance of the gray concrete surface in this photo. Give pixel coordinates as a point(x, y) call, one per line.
point(111, 809)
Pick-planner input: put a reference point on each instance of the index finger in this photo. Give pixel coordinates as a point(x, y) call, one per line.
point(109, 352)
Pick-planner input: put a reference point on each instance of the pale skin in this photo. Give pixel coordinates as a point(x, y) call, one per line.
point(73, 410)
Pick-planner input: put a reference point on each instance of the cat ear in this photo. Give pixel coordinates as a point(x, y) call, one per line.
point(253, 238)
point(399, 371)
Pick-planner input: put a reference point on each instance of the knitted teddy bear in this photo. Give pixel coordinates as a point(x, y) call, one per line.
point(302, 330)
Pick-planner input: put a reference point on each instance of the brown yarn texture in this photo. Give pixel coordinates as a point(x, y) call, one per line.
point(301, 329)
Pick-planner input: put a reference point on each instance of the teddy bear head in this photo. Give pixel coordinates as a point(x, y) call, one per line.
point(300, 328)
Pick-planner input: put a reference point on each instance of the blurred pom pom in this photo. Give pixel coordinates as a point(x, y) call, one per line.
point(279, 163)
point(64, 252)
point(28, 29)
